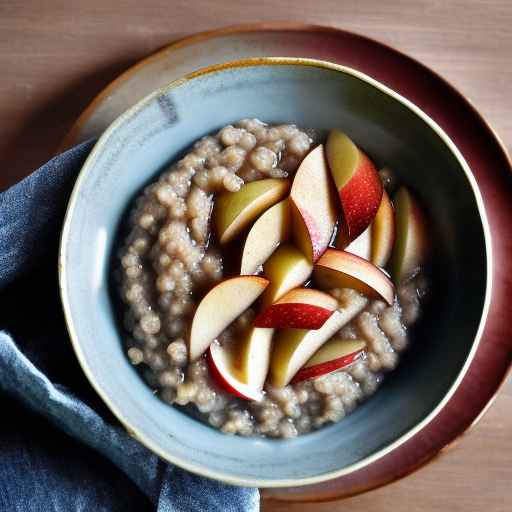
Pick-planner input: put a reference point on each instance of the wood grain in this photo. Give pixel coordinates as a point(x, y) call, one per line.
point(57, 55)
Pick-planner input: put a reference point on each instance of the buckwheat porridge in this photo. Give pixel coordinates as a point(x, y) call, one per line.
point(254, 284)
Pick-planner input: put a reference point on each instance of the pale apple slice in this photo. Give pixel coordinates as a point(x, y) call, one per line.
point(254, 356)
point(234, 211)
point(361, 246)
point(358, 184)
point(286, 269)
point(222, 364)
point(294, 347)
point(340, 269)
point(383, 232)
point(375, 244)
point(313, 205)
point(335, 354)
point(271, 229)
point(300, 308)
point(219, 307)
point(411, 246)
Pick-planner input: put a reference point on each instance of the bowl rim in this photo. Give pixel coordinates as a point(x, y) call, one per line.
point(257, 62)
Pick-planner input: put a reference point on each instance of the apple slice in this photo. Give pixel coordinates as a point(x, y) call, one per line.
point(313, 205)
point(272, 228)
point(254, 356)
point(375, 244)
point(333, 355)
point(358, 184)
point(383, 232)
point(361, 246)
point(300, 308)
point(219, 307)
point(411, 246)
point(234, 211)
point(286, 269)
point(221, 362)
point(340, 269)
point(293, 347)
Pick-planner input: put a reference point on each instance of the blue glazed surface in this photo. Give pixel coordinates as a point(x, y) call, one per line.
point(149, 136)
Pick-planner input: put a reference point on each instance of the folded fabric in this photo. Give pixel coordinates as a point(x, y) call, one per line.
point(78, 457)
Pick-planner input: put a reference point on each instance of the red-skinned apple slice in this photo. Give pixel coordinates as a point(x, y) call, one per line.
point(219, 307)
point(375, 244)
point(300, 308)
point(335, 354)
point(340, 269)
point(286, 269)
point(234, 211)
point(271, 229)
point(223, 369)
point(411, 247)
point(358, 184)
point(313, 205)
point(294, 347)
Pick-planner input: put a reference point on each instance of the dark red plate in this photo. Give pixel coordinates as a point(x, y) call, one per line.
point(479, 145)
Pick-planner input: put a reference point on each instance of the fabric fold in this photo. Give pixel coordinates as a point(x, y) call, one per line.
point(34, 350)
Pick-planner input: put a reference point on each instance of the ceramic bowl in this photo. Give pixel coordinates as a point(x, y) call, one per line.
point(319, 95)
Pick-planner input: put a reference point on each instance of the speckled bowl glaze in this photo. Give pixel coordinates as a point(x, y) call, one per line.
point(312, 94)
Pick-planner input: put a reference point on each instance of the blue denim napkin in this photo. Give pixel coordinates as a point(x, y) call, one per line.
point(60, 448)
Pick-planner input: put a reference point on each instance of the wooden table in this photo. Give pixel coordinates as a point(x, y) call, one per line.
point(56, 55)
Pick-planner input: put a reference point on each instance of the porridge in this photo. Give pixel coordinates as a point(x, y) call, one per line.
point(253, 282)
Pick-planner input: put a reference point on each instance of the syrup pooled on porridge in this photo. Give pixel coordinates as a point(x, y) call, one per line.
point(243, 306)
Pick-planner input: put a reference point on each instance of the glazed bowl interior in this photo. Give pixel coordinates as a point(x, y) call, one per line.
point(315, 95)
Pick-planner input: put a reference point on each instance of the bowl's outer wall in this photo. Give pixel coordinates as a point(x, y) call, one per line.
point(149, 138)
